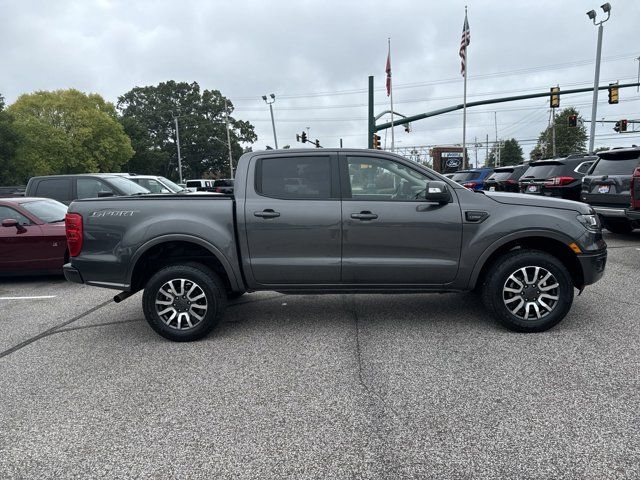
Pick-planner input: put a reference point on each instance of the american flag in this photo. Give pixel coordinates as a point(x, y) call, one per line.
point(388, 70)
point(464, 42)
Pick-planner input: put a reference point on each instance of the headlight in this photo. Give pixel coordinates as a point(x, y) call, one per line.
point(590, 222)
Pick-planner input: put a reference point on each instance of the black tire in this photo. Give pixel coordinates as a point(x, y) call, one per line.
point(497, 289)
point(213, 302)
point(619, 225)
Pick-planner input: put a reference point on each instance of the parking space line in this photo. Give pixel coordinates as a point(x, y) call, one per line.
point(28, 298)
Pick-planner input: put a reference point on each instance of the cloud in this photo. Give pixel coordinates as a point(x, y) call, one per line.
point(316, 57)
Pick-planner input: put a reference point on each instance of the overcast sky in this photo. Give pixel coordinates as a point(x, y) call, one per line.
point(316, 57)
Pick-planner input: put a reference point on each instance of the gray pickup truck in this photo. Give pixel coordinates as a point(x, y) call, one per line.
point(335, 221)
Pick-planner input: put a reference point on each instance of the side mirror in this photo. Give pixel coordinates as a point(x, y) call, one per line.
point(105, 193)
point(12, 222)
point(437, 192)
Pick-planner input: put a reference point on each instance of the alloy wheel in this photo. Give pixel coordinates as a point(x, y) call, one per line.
point(531, 293)
point(181, 304)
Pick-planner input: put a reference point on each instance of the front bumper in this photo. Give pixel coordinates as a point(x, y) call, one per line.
point(72, 274)
point(593, 265)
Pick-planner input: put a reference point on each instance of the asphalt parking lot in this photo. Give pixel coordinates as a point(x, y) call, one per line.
point(335, 386)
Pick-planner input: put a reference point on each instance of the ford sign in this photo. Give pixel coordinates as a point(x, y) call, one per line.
point(453, 162)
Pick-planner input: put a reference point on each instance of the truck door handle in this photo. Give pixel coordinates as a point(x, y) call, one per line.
point(364, 215)
point(266, 213)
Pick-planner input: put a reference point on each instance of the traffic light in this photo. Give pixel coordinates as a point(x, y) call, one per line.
point(573, 120)
point(613, 93)
point(555, 97)
point(303, 137)
point(297, 137)
point(623, 126)
point(376, 141)
point(317, 143)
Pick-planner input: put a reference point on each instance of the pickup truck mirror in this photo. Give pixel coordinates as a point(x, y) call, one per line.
point(104, 193)
point(437, 192)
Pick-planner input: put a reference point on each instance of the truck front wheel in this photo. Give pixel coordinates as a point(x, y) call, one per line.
point(184, 302)
point(528, 290)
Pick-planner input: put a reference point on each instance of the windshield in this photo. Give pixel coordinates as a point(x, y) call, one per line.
point(615, 167)
point(174, 187)
point(46, 210)
point(543, 170)
point(465, 176)
point(126, 186)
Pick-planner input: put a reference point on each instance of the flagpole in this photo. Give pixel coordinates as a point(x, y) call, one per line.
point(391, 99)
point(464, 103)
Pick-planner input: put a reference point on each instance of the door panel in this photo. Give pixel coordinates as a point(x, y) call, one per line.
point(395, 238)
point(293, 220)
point(20, 251)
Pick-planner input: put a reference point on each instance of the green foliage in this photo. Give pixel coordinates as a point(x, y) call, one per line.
point(601, 149)
point(510, 154)
point(8, 146)
point(147, 114)
point(568, 139)
point(66, 131)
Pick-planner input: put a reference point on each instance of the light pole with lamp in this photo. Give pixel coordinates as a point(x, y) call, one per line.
point(592, 15)
point(273, 123)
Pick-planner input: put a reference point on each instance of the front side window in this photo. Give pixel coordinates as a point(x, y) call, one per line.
point(89, 188)
point(294, 177)
point(382, 179)
point(152, 185)
point(126, 186)
point(7, 213)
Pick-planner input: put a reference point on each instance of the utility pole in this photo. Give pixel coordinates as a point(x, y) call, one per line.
point(475, 146)
point(273, 123)
point(226, 121)
point(486, 160)
point(497, 158)
point(594, 106)
point(553, 133)
point(175, 119)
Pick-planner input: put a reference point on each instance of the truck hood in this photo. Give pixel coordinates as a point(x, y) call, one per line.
point(538, 201)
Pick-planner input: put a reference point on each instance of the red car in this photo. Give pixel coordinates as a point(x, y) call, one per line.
point(32, 236)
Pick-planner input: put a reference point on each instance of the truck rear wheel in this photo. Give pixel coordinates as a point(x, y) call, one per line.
point(184, 302)
point(528, 291)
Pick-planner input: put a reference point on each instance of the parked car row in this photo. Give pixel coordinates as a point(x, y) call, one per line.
point(608, 181)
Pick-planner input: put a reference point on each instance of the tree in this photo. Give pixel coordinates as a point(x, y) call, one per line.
point(148, 116)
point(67, 131)
point(8, 146)
point(510, 154)
point(568, 139)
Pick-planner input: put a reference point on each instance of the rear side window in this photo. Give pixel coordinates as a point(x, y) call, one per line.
point(615, 167)
point(294, 177)
point(193, 183)
point(56, 188)
point(583, 167)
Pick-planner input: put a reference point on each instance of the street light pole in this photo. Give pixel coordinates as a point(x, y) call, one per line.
point(273, 123)
point(594, 106)
point(226, 121)
point(175, 119)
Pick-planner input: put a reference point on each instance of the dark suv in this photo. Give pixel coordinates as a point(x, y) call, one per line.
point(67, 188)
point(607, 188)
point(556, 177)
point(505, 179)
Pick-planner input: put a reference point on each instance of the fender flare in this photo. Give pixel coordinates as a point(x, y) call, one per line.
point(491, 249)
point(233, 279)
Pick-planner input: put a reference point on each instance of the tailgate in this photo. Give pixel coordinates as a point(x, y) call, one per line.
point(608, 190)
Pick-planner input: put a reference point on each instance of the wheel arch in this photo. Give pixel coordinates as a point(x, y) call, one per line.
point(554, 243)
point(166, 249)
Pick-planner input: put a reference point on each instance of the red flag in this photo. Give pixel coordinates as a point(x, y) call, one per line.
point(388, 70)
